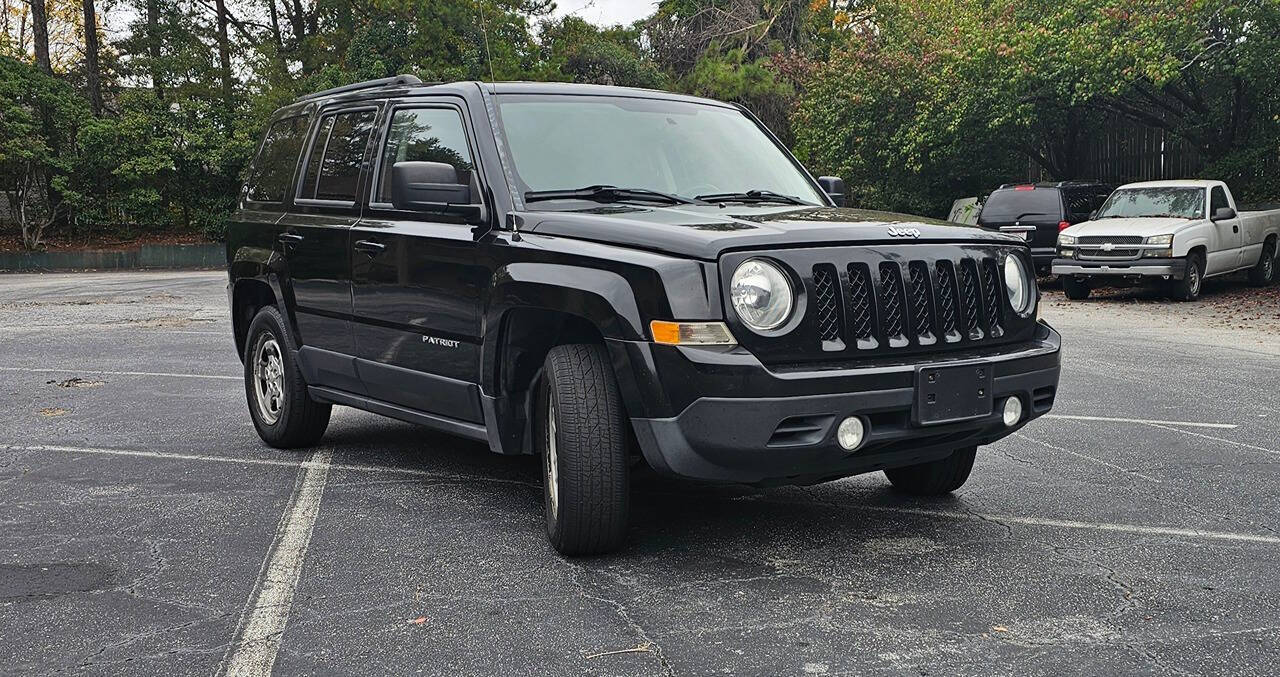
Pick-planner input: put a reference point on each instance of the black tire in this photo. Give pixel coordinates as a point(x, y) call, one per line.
point(1263, 272)
point(935, 477)
point(1189, 287)
point(1074, 289)
point(585, 468)
point(294, 420)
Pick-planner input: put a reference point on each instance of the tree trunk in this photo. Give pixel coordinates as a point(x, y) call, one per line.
point(91, 57)
point(153, 47)
point(40, 32)
point(224, 54)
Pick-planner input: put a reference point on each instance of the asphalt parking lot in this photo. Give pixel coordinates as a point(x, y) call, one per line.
point(145, 529)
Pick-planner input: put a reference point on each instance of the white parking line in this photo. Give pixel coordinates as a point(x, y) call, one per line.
point(38, 370)
point(1220, 439)
point(1111, 419)
point(1012, 519)
point(262, 623)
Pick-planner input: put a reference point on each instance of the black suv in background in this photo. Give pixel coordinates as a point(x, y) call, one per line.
point(1039, 211)
point(605, 276)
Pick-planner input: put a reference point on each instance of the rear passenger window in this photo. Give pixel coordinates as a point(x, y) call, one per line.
point(272, 171)
point(425, 135)
point(333, 167)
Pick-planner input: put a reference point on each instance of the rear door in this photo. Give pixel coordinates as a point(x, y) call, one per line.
point(1037, 206)
point(1227, 258)
point(313, 241)
point(419, 277)
point(253, 227)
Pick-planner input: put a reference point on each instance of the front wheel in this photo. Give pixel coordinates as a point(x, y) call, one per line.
point(582, 437)
point(1264, 272)
point(1188, 288)
point(935, 477)
point(1076, 290)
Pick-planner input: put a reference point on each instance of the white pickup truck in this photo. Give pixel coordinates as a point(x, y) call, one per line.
point(1175, 233)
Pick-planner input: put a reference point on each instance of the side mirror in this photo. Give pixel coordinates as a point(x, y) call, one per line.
point(432, 187)
point(833, 186)
point(1223, 214)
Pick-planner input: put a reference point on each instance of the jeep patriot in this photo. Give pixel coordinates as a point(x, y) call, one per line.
point(605, 276)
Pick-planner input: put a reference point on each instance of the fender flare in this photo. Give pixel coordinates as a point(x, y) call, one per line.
point(260, 265)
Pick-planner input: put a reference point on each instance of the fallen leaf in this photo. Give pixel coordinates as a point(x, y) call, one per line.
point(50, 412)
point(999, 628)
point(418, 621)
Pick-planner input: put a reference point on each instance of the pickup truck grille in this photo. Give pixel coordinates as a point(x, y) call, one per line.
point(874, 301)
point(1113, 239)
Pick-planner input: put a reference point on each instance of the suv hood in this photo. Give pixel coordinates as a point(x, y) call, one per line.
point(1144, 226)
point(706, 231)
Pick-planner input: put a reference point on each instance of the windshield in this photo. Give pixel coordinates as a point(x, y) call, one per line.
point(686, 149)
point(1022, 203)
point(1184, 203)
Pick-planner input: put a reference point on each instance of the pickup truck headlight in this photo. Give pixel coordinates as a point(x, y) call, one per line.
point(1166, 240)
point(1066, 240)
point(761, 295)
point(1018, 284)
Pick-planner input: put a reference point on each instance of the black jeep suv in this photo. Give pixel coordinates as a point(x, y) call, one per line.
point(1037, 212)
point(600, 275)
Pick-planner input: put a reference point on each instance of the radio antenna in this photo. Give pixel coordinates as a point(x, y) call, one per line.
point(484, 28)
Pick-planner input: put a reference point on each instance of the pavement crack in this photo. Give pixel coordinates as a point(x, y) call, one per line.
point(623, 613)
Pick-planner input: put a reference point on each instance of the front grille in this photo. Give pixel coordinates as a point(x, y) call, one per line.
point(1095, 253)
point(1114, 239)
point(892, 301)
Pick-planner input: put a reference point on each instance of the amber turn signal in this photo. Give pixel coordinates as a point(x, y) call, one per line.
point(691, 333)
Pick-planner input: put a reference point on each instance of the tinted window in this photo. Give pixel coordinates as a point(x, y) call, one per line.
point(272, 171)
point(1081, 201)
point(1022, 203)
point(333, 168)
point(1219, 199)
point(425, 135)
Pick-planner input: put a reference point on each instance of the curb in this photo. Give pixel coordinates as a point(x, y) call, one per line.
point(148, 256)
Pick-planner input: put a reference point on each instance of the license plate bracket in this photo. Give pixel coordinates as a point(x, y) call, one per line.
point(953, 392)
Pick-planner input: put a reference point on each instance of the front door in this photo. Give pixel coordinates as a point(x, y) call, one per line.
point(418, 278)
point(1227, 257)
point(313, 239)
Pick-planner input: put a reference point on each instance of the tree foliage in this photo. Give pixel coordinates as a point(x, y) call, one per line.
point(914, 102)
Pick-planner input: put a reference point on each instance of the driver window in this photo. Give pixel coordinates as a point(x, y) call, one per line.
point(1218, 200)
point(425, 135)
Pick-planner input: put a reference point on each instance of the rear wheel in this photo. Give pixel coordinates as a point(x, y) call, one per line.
point(1188, 288)
point(1076, 290)
point(1264, 272)
point(935, 477)
point(282, 412)
point(583, 441)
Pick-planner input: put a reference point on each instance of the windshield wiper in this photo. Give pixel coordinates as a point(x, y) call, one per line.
point(608, 194)
point(754, 196)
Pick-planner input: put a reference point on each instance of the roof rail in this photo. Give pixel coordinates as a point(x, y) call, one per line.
point(367, 84)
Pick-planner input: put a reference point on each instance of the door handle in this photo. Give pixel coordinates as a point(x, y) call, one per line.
point(369, 247)
point(289, 238)
point(1235, 228)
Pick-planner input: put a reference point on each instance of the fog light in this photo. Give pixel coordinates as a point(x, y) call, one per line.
point(1012, 411)
point(850, 433)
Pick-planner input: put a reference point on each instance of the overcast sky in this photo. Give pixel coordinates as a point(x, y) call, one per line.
point(607, 12)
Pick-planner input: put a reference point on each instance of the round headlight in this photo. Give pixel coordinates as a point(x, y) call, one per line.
point(761, 295)
point(1019, 286)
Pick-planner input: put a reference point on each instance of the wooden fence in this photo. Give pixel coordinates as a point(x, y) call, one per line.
point(1126, 151)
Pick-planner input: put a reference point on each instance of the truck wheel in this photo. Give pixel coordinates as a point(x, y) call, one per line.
point(284, 415)
point(935, 477)
point(1076, 290)
point(1188, 288)
point(582, 437)
point(1264, 272)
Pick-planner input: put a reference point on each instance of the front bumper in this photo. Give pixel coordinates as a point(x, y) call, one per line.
point(1173, 269)
point(732, 434)
point(1042, 258)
